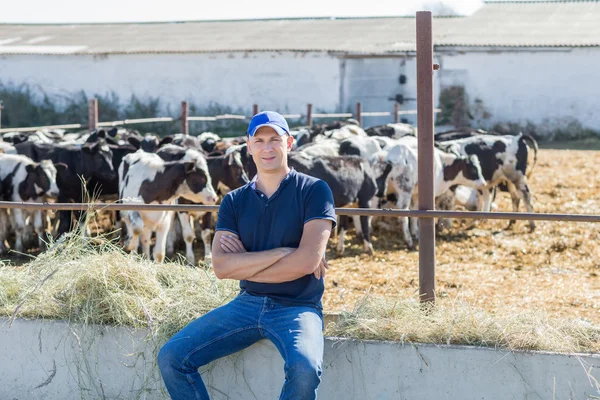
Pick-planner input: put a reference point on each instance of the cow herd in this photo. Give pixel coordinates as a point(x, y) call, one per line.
point(366, 168)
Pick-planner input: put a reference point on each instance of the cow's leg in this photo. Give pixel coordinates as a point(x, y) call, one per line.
point(19, 228)
point(162, 231)
point(38, 226)
point(357, 226)
point(174, 231)
point(518, 191)
point(403, 203)
point(187, 231)
point(146, 237)
point(4, 227)
point(342, 228)
point(134, 227)
point(206, 234)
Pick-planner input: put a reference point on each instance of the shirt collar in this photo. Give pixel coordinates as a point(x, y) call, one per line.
point(288, 176)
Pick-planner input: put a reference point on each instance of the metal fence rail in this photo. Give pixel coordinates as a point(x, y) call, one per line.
point(371, 212)
point(185, 117)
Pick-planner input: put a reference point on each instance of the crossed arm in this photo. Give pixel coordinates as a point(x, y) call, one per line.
point(284, 264)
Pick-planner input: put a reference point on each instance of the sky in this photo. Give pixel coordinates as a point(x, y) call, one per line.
point(85, 11)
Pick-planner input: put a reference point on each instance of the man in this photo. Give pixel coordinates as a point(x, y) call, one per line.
point(271, 235)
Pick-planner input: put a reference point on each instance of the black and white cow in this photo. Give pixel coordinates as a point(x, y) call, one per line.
point(327, 147)
point(90, 163)
point(310, 134)
point(395, 131)
point(227, 173)
point(352, 180)
point(23, 180)
point(449, 170)
point(503, 159)
point(146, 178)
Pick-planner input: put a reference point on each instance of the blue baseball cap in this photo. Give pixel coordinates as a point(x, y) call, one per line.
point(270, 119)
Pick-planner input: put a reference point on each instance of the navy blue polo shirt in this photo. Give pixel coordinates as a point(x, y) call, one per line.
point(267, 223)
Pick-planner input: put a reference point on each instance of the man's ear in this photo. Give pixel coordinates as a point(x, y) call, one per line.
point(290, 142)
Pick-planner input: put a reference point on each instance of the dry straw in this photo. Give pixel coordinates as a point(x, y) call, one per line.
point(92, 281)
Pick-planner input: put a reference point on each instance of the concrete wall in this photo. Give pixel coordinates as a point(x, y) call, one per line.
point(51, 360)
point(284, 81)
point(546, 86)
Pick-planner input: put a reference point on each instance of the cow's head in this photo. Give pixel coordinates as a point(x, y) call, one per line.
point(98, 161)
point(381, 170)
point(43, 177)
point(234, 174)
point(470, 171)
point(199, 184)
point(149, 143)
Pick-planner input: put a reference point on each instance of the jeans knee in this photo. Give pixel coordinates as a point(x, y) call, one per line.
point(166, 357)
point(305, 374)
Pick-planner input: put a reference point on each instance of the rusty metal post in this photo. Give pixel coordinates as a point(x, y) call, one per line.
point(359, 113)
point(185, 112)
point(254, 109)
point(93, 114)
point(396, 109)
point(309, 114)
point(425, 147)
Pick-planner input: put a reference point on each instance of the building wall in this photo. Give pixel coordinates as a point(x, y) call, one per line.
point(547, 87)
point(285, 81)
point(551, 88)
point(374, 81)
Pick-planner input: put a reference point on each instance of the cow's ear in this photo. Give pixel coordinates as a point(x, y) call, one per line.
point(102, 134)
point(31, 168)
point(165, 140)
point(91, 148)
point(61, 167)
point(19, 139)
point(134, 141)
point(188, 167)
point(113, 132)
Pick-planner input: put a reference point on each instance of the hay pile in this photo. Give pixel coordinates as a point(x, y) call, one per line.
point(92, 281)
point(452, 322)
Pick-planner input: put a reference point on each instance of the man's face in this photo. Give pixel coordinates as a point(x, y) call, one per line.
point(268, 149)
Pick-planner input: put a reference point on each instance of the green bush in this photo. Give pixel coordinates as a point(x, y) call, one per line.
point(25, 106)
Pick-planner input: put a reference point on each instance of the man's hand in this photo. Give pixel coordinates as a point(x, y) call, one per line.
point(320, 271)
point(230, 243)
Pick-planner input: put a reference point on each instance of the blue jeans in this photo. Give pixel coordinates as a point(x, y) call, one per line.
point(296, 331)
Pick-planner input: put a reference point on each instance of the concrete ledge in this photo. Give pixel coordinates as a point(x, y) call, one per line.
point(54, 360)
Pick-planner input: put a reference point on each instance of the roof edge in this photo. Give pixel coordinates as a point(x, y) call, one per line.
point(222, 20)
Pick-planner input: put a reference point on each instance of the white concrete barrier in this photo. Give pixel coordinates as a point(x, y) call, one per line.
point(54, 360)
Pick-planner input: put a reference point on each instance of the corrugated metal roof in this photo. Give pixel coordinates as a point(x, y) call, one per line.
point(364, 35)
point(509, 24)
point(529, 24)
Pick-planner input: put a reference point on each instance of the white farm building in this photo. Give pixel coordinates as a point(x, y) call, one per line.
point(521, 62)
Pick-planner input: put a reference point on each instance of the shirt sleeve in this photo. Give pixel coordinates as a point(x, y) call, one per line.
point(226, 220)
point(319, 203)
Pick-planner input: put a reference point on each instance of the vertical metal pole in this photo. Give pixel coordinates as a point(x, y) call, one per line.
point(93, 114)
point(1, 108)
point(396, 109)
point(185, 112)
point(309, 114)
point(425, 147)
point(254, 109)
point(359, 113)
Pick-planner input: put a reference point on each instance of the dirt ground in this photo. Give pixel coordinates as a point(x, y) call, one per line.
point(554, 269)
